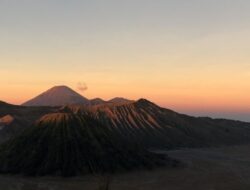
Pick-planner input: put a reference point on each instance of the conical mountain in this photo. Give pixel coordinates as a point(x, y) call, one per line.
point(58, 96)
point(71, 144)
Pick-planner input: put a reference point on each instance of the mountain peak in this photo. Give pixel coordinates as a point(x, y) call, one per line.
point(61, 87)
point(97, 101)
point(119, 100)
point(58, 96)
point(144, 101)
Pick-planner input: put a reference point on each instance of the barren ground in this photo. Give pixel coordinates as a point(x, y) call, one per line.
point(226, 168)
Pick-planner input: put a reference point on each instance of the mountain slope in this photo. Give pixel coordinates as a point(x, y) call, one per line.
point(11, 125)
point(106, 137)
point(22, 116)
point(158, 127)
point(57, 96)
point(71, 144)
point(146, 123)
point(4, 104)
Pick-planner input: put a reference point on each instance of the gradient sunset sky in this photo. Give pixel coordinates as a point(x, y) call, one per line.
point(190, 56)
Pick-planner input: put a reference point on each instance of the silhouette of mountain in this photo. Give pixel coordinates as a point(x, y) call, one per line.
point(22, 117)
point(4, 104)
point(159, 127)
point(77, 139)
point(58, 96)
point(70, 144)
point(119, 100)
point(97, 101)
point(143, 121)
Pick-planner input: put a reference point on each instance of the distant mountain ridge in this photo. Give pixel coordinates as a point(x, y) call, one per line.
point(80, 139)
point(63, 95)
point(119, 100)
point(141, 120)
point(87, 136)
point(97, 101)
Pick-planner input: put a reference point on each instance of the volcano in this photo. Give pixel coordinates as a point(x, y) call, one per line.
point(58, 96)
point(70, 144)
point(157, 127)
point(77, 139)
point(140, 120)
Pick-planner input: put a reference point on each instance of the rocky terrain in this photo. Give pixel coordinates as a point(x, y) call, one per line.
point(102, 136)
point(205, 169)
point(71, 144)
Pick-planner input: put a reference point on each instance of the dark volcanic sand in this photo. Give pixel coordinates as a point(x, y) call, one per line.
point(226, 168)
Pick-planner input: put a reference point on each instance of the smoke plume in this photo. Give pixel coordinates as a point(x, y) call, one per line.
point(81, 86)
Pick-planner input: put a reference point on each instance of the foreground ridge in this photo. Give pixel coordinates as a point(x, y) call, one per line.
point(72, 144)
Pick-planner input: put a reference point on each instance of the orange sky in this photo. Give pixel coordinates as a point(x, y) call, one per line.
point(190, 56)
